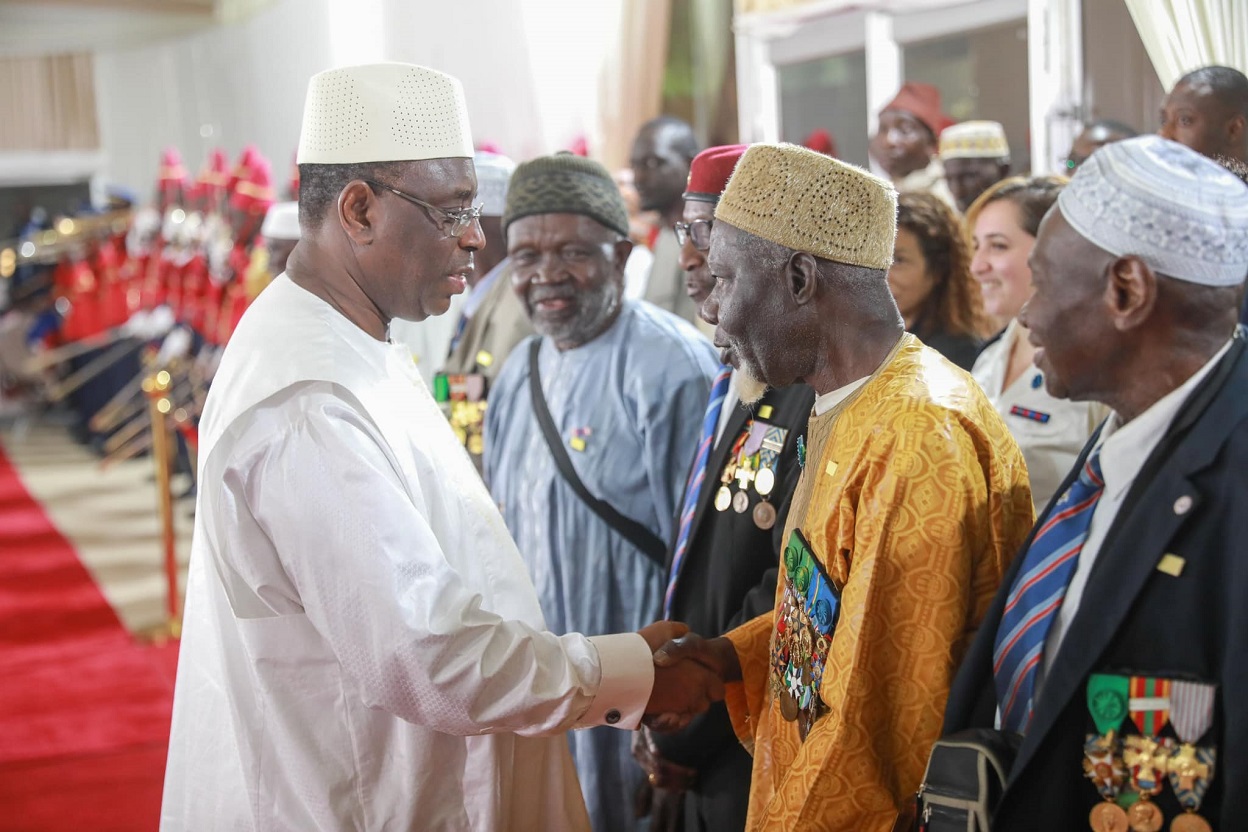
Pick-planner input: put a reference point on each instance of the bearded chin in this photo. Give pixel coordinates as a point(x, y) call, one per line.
point(749, 387)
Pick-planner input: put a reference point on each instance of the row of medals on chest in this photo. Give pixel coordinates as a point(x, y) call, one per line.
point(1138, 766)
point(1145, 762)
point(756, 470)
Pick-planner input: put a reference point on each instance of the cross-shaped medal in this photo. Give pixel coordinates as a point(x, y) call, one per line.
point(1187, 767)
point(1142, 752)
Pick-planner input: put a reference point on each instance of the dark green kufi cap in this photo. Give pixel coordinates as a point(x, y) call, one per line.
point(565, 184)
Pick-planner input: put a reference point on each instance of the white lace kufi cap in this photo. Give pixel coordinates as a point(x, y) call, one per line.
point(281, 222)
point(387, 112)
point(493, 175)
point(974, 140)
point(1183, 214)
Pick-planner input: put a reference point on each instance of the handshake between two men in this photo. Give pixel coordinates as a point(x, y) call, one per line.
point(689, 674)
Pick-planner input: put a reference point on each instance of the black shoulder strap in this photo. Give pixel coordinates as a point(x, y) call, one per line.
point(647, 541)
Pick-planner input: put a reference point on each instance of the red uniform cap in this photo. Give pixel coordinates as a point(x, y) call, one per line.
point(255, 193)
point(171, 170)
point(923, 102)
point(710, 171)
point(216, 172)
point(245, 163)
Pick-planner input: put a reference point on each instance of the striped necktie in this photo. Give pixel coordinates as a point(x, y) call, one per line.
point(1037, 595)
point(710, 423)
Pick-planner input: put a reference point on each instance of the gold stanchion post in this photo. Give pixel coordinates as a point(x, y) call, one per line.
point(156, 386)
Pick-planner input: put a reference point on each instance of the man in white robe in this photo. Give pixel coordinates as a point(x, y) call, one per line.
point(362, 645)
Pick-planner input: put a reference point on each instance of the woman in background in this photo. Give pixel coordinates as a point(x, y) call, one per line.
point(1050, 431)
point(931, 279)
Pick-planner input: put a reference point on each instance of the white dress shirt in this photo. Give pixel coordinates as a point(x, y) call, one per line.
point(1124, 449)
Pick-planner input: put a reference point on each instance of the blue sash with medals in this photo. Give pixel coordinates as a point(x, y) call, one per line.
point(805, 620)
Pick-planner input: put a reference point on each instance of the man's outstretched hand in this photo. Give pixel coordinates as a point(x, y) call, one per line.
point(661, 632)
point(716, 654)
point(688, 675)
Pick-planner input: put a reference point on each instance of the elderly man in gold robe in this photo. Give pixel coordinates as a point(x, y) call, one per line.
point(912, 501)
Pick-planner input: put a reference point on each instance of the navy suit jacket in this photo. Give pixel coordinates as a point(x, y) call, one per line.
point(1190, 499)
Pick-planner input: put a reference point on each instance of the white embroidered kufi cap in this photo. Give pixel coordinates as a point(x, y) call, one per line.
point(493, 173)
point(974, 140)
point(383, 113)
point(281, 222)
point(1181, 213)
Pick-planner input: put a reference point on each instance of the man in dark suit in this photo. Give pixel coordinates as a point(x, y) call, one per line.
point(1118, 644)
point(661, 159)
point(723, 563)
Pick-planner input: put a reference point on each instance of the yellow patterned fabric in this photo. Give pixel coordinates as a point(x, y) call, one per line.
point(914, 499)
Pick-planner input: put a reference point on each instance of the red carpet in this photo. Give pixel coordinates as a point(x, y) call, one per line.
point(84, 710)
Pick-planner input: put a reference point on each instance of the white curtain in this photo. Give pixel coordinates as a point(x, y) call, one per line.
point(631, 79)
point(1182, 35)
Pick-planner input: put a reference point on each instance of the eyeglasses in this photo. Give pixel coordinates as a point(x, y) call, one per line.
point(459, 220)
point(699, 231)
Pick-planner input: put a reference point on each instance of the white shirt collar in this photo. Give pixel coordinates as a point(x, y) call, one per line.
point(1125, 447)
point(830, 400)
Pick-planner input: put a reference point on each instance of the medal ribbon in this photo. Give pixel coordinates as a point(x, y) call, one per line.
point(1149, 704)
point(1107, 698)
point(1107, 701)
point(1149, 707)
point(756, 433)
point(1190, 769)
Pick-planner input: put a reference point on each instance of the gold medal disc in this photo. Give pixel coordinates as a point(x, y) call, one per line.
point(1190, 822)
point(1108, 817)
point(1144, 816)
point(764, 481)
point(740, 502)
point(764, 516)
point(723, 498)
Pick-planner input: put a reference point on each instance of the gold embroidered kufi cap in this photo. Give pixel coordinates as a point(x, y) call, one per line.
point(809, 202)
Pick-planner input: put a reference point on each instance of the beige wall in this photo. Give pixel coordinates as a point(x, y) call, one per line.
point(1119, 80)
point(49, 103)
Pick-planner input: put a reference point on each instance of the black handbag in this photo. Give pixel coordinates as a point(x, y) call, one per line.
point(647, 541)
point(965, 778)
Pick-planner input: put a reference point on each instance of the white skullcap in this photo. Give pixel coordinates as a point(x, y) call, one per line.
point(974, 140)
point(1183, 214)
point(493, 173)
point(281, 222)
point(383, 113)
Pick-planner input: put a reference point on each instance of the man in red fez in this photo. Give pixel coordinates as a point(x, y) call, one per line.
point(723, 562)
point(906, 143)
